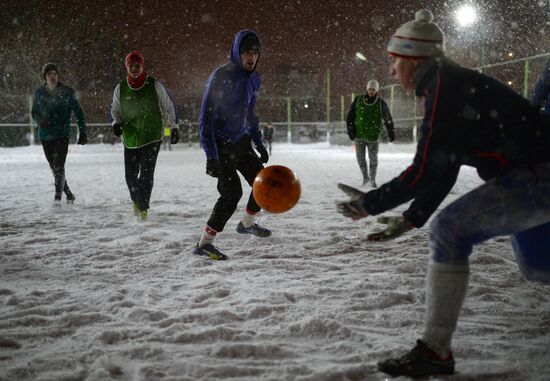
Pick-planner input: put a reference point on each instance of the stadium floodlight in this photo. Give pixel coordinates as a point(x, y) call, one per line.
point(466, 15)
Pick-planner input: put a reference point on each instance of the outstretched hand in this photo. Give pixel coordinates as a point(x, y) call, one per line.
point(354, 207)
point(396, 226)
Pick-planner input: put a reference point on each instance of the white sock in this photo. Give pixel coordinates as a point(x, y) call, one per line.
point(446, 287)
point(208, 236)
point(248, 219)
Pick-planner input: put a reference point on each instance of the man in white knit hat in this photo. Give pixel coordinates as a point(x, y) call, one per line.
point(363, 124)
point(470, 119)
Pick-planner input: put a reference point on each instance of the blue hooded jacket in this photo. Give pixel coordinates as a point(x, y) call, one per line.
point(227, 110)
point(541, 94)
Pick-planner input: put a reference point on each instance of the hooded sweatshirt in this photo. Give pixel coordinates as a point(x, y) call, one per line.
point(227, 111)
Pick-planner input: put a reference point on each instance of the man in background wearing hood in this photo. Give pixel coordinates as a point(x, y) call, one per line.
point(228, 125)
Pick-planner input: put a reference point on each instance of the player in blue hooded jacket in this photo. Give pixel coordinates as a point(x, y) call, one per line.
point(228, 126)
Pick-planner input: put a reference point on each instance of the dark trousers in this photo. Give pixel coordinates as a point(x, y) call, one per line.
point(235, 157)
point(139, 164)
point(56, 154)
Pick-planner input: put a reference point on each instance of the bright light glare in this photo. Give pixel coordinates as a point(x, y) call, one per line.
point(306, 105)
point(360, 56)
point(466, 15)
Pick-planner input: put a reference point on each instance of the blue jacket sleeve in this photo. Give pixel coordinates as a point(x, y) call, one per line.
point(542, 89)
point(206, 119)
point(253, 120)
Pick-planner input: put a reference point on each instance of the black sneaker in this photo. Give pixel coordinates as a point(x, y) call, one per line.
point(420, 361)
point(255, 229)
point(210, 251)
point(70, 197)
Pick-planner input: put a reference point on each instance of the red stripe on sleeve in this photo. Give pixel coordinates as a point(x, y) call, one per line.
point(428, 139)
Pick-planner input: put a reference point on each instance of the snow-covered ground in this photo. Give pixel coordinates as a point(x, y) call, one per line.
point(88, 292)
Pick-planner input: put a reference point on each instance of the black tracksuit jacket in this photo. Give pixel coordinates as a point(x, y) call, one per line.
point(470, 119)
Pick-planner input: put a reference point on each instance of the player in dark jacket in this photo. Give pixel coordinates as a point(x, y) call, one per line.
point(52, 106)
point(228, 126)
point(471, 119)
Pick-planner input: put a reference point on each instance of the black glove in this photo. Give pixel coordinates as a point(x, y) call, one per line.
point(264, 157)
point(213, 167)
point(397, 225)
point(391, 136)
point(82, 139)
point(354, 207)
point(174, 136)
point(117, 129)
point(44, 123)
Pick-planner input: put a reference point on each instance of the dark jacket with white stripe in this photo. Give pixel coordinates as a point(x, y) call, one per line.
point(470, 119)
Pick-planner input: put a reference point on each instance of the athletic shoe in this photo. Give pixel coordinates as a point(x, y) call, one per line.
point(210, 251)
point(70, 197)
point(255, 229)
point(420, 361)
point(372, 183)
point(135, 209)
point(57, 200)
point(143, 214)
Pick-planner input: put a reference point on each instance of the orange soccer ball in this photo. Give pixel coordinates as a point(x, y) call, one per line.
point(276, 189)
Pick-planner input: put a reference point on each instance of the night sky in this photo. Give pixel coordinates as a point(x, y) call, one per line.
point(183, 42)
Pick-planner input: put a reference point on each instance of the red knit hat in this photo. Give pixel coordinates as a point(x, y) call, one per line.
point(134, 56)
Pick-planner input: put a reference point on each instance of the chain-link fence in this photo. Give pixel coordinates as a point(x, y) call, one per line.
point(303, 119)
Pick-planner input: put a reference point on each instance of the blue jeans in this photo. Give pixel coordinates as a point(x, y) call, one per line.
point(506, 205)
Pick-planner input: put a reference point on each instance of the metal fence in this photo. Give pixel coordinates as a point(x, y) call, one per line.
point(295, 119)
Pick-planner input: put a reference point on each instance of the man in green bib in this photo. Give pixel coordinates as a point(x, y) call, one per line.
point(363, 125)
point(140, 105)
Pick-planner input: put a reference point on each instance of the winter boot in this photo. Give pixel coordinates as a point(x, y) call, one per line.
point(420, 361)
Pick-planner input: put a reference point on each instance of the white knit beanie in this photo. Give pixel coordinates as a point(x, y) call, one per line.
point(419, 38)
point(373, 84)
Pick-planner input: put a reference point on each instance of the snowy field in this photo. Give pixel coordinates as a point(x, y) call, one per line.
point(88, 292)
